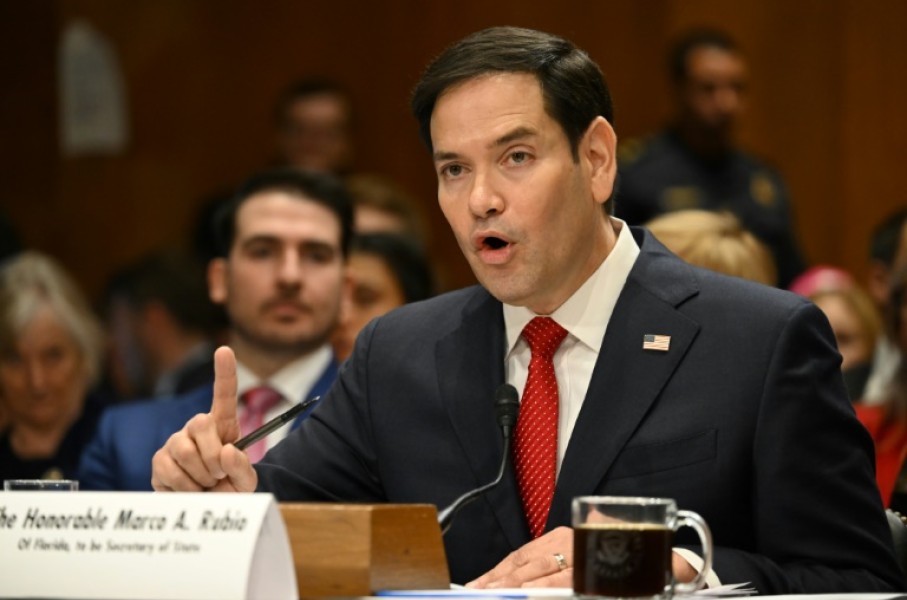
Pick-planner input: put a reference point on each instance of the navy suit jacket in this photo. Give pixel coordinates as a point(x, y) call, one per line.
point(744, 420)
point(128, 435)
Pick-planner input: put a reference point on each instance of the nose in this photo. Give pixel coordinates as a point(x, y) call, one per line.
point(37, 377)
point(728, 99)
point(484, 199)
point(289, 272)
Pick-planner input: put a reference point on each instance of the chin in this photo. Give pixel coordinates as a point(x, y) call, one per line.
point(298, 342)
point(508, 295)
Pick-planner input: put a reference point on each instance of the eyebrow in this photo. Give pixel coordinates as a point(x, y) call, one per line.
point(516, 134)
point(511, 136)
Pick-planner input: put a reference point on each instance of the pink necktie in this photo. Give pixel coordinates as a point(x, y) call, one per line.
point(258, 401)
point(535, 449)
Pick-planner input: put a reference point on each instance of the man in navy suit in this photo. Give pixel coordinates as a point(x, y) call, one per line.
point(670, 380)
point(280, 276)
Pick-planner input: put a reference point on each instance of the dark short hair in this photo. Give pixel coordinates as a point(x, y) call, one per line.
point(695, 39)
point(176, 281)
point(307, 88)
point(322, 188)
point(403, 257)
point(886, 238)
point(573, 87)
point(386, 196)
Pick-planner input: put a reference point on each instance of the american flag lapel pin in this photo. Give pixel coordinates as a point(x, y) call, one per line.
point(661, 343)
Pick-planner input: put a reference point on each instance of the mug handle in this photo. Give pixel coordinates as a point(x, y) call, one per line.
point(687, 518)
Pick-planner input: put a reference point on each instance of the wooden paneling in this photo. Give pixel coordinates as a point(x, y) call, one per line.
point(872, 124)
point(826, 104)
point(28, 164)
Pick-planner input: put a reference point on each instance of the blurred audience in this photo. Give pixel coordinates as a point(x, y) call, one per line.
point(887, 255)
point(853, 316)
point(695, 163)
point(715, 241)
point(387, 271)
point(50, 357)
point(161, 326)
point(887, 421)
point(315, 126)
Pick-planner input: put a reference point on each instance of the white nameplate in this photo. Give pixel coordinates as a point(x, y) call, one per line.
point(143, 545)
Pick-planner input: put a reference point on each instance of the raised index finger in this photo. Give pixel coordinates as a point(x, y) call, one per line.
point(223, 404)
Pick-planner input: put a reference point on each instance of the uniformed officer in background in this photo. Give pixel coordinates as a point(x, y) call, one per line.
point(694, 163)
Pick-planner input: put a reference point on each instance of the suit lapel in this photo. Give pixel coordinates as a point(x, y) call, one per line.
point(470, 367)
point(627, 378)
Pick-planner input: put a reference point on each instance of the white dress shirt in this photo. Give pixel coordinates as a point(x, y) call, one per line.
point(885, 362)
point(293, 382)
point(585, 316)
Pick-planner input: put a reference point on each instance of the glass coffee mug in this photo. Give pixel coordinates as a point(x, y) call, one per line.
point(622, 547)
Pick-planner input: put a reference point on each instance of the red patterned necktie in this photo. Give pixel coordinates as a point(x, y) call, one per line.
point(535, 449)
point(258, 401)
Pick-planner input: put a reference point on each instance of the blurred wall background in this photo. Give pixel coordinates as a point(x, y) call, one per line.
point(826, 106)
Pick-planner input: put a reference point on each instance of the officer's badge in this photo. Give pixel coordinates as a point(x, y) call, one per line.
point(630, 150)
point(762, 189)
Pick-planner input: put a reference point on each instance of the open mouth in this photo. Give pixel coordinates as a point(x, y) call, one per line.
point(494, 243)
point(494, 249)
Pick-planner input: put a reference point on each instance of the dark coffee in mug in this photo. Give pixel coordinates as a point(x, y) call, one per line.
point(621, 560)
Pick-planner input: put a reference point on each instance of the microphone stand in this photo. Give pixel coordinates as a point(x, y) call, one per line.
point(445, 517)
point(507, 406)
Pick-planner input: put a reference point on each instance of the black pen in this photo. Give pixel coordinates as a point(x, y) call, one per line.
point(274, 424)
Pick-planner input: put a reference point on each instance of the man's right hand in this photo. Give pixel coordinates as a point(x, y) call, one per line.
point(201, 456)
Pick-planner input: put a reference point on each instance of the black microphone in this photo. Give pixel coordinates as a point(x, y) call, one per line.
point(506, 408)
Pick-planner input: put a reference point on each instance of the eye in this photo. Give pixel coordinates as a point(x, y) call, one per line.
point(259, 250)
point(452, 171)
point(364, 296)
point(519, 156)
point(53, 355)
point(319, 254)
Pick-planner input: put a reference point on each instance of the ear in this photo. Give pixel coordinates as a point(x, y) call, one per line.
point(599, 151)
point(217, 280)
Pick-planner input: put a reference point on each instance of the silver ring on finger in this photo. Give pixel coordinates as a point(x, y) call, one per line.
point(561, 561)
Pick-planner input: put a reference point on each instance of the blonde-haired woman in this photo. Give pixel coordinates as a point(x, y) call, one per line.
point(715, 241)
point(853, 317)
point(50, 356)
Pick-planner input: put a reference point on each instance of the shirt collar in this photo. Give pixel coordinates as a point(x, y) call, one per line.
point(294, 380)
point(586, 313)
